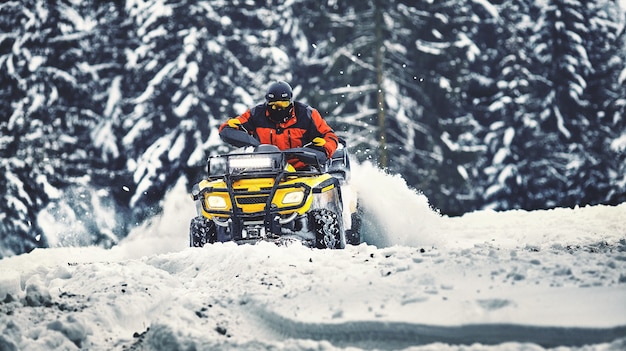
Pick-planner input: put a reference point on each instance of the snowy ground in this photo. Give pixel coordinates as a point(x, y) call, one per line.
point(485, 281)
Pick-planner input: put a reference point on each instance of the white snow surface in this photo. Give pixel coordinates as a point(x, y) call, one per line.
point(516, 280)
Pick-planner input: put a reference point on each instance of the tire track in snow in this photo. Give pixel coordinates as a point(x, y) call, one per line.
point(387, 335)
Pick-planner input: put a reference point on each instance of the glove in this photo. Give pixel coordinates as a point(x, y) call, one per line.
point(318, 141)
point(234, 123)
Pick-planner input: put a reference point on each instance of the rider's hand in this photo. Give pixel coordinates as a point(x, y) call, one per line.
point(234, 123)
point(318, 141)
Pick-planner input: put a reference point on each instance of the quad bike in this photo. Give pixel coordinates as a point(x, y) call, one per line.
point(254, 194)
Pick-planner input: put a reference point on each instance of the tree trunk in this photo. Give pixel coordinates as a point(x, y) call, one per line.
point(380, 96)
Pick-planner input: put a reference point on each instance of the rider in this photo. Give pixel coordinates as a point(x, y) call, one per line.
point(286, 123)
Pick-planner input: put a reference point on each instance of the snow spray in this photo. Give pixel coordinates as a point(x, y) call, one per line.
point(392, 213)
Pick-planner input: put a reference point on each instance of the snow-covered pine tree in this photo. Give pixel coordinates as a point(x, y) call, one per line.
point(566, 166)
point(604, 180)
point(544, 107)
point(502, 95)
point(46, 116)
point(618, 120)
point(387, 76)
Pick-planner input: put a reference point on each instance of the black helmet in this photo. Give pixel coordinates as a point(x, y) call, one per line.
point(279, 91)
point(279, 102)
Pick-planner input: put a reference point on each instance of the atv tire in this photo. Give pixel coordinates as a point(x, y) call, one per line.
point(326, 225)
point(202, 231)
point(353, 236)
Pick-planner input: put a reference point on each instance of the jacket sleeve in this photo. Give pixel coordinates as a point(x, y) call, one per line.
point(326, 132)
point(244, 118)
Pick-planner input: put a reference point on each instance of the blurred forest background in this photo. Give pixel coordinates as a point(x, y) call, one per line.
point(105, 105)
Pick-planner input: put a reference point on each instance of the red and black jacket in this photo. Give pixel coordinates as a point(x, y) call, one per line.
point(305, 124)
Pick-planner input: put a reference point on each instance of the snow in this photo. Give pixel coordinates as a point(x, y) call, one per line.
point(213, 47)
point(185, 105)
point(509, 134)
point(103, 135)
point(78, 22)
point(137, 129)
point(150, 162)
point(560, 122)
point(472, 49)
point(36, 62)
point(619, 144)
point(491, 9)
point(62, 225)
point(516, 280)
point(500, 156)
point(431, 47)
point(191, 74)
point(275, 55)
point(498, 104)
point(177, 148)
point(115, 97)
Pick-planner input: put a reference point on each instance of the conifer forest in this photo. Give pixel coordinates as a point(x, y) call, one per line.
point(479, 104)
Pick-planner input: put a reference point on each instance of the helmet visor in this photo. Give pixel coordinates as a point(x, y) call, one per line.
point(279, 105)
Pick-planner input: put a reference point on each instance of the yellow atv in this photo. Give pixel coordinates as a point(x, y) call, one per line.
point(253, 194)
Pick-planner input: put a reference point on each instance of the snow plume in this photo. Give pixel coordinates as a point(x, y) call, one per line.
point(166, 232)
point(393, 213)
point(83, 216)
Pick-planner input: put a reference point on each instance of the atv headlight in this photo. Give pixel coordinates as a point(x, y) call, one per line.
point(294, 197)
point(216, 202)
point(251, 162)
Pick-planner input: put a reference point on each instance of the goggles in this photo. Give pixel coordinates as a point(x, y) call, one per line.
point(279, 105)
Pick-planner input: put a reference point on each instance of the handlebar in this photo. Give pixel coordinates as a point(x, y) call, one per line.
point(240, 138)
